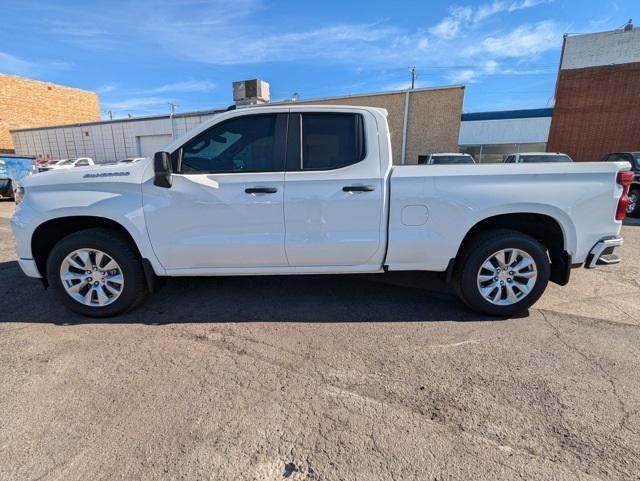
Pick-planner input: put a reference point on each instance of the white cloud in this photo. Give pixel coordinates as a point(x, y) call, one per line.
point(524, 41)
point(499, 6)
point(405, 85)
point(75, 30)
point(467, 76)
point(138, 103)
point(461, 17)
point(236, 44)
point(106, 88)
point(447, 29)
point(490, 67)
point(470, 75)
point(186, 86)
point(13, 65)
point(424, 44)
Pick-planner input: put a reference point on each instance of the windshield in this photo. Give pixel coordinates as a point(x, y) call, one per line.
point(637, 159)
point(66, 162)
point(545, 158)
point(452, 159)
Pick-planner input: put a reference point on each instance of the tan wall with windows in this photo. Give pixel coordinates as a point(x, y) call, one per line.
point(434, 118)
point(29, 103)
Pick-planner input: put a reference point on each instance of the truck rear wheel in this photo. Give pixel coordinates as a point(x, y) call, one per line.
point(501, 272)
point(96, 273)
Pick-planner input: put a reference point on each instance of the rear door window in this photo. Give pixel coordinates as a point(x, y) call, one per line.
point(324, 141)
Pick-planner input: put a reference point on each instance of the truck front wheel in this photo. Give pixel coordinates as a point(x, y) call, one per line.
point(96, 273)
point(501, 272)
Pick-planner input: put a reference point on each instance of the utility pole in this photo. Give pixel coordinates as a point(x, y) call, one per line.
point(413, 77)
point(171, 114)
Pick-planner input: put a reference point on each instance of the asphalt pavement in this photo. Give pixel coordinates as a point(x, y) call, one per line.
point(322, 378)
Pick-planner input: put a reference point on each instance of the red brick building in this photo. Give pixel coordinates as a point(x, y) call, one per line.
point(597, 108)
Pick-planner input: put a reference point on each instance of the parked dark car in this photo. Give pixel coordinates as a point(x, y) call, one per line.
point(633, 208)
point(449, 159)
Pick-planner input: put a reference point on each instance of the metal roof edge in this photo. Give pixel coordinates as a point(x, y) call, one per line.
point(115, 121)
point(508, 114)
point(369, 94)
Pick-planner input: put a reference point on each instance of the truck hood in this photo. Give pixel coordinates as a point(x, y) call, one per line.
point(116, 173)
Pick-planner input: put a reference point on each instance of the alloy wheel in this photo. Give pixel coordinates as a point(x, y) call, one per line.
point(91, 277)
point(507, 276)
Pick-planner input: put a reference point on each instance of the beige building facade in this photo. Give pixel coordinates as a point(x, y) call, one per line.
point(30, 103)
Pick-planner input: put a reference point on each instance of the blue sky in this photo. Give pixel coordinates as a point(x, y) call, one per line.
point(141, 55)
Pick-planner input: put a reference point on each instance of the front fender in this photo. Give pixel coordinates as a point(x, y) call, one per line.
point(123, 206)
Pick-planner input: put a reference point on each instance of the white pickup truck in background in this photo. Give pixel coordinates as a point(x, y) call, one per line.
point(312, 190)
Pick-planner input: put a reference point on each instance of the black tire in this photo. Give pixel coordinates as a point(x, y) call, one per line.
point(634, 194)
point(7, 190)
point(119, 249)
point(478, 249)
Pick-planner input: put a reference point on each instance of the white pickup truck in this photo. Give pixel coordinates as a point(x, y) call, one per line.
point(312, 190)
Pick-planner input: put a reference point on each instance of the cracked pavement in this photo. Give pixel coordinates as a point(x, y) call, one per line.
point(322, 378)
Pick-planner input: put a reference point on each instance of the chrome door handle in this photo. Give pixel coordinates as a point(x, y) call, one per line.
point(261, 190)
point(358, 188)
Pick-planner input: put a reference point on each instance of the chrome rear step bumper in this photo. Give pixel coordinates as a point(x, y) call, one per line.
point(602, 253)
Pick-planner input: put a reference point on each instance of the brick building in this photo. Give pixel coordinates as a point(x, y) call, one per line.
point(597, 95)
point(30, 103)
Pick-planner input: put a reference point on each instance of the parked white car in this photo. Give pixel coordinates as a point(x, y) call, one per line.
point(312, 190)
point(536, 157)
point(454, 158)
point(71, 163)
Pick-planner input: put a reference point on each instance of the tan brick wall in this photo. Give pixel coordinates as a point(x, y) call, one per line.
point(434, 122)
point(29, 103)
point(434, 118)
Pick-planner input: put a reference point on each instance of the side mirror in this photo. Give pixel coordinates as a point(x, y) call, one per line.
point(162, 169)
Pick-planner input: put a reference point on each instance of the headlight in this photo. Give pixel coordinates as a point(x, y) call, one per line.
point(19, 194)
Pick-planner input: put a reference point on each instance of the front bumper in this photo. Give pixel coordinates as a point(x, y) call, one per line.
point(602, 253)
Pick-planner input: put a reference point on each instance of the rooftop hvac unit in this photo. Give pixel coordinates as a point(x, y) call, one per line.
point(251, 92)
